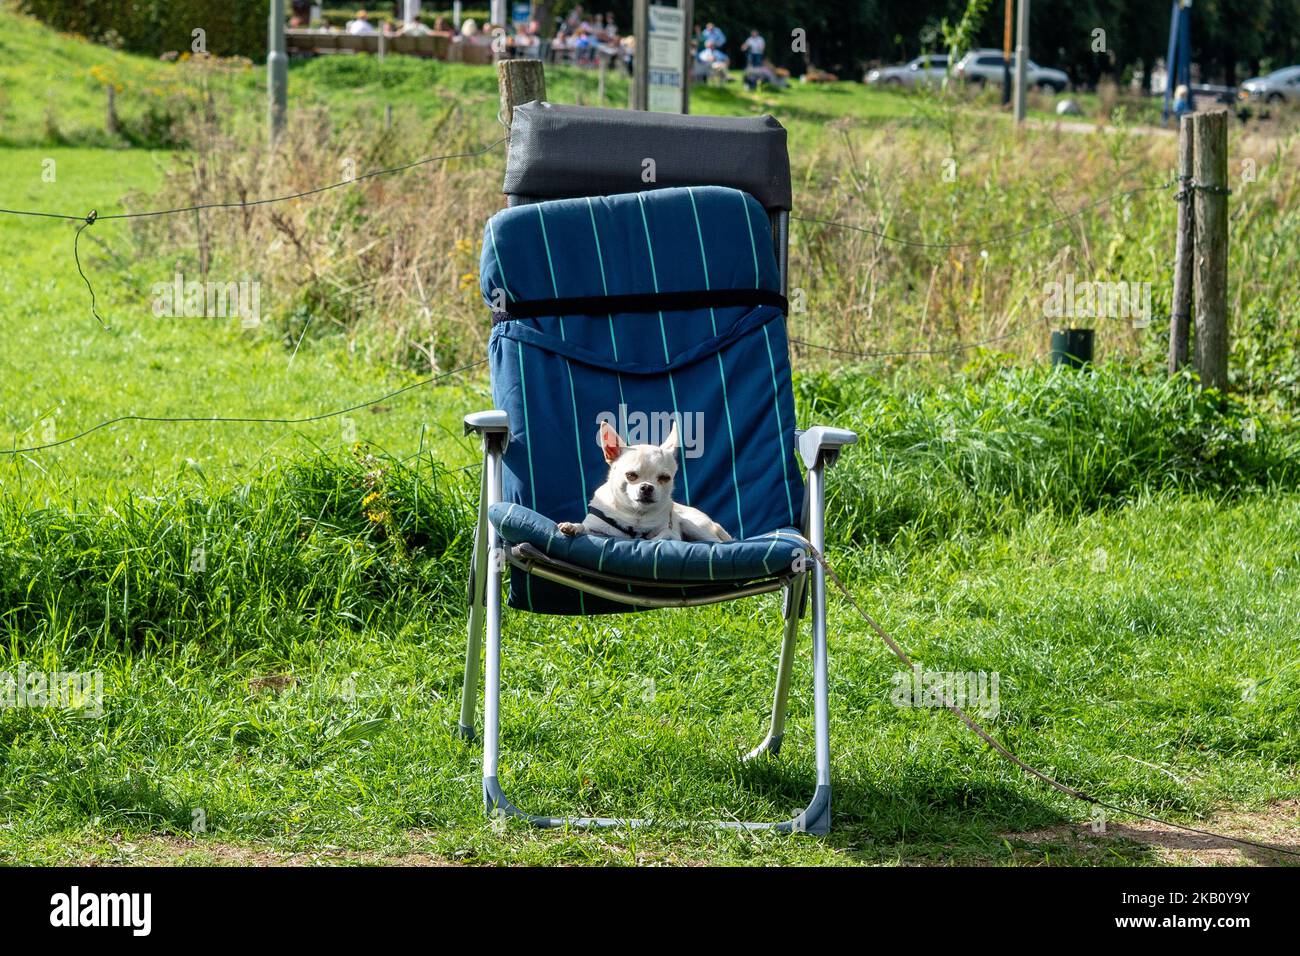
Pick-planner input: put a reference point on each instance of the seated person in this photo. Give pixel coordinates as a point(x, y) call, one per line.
point(714, 58)
point(767, 73)
point(361, 26)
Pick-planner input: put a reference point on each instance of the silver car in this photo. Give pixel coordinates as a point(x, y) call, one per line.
point(1279, 86)
point(926, 70)
point(985, 66)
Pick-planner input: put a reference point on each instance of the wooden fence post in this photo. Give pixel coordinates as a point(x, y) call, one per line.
point(1211, 256)
point(110, 120)
point(519, 81)
point(1180, 319)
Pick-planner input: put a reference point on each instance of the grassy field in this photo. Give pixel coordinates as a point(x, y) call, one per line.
point(1118, 548)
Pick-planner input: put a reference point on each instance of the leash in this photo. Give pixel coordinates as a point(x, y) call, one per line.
point(1000, 749)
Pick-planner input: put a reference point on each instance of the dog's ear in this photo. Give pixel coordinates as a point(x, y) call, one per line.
point(609, 442)
point(669, 446)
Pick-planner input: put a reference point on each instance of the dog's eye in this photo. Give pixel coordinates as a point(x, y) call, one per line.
point(663, 479)
point(631, 476)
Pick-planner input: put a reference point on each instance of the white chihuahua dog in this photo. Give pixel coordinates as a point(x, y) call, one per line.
point(636, 501)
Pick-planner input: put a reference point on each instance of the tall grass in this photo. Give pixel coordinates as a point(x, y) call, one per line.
point(356, 542)
point(391, 264)
point(387, 264)
point(369, 540)
point(981, 452)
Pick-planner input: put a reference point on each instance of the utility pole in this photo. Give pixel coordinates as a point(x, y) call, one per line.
point(1022, 55)
point(277, 71)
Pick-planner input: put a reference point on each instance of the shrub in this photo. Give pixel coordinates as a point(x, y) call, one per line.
point(159, 26)
point(325, 543)
point(972, 454)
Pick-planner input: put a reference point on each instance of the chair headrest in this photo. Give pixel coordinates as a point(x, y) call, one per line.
point(562, 151)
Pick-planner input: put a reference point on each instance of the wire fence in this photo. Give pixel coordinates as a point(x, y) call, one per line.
point(94, 216)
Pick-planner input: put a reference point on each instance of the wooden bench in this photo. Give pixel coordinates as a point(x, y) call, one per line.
point(434, 45)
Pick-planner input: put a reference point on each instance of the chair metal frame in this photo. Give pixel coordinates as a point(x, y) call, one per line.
point(818, 447)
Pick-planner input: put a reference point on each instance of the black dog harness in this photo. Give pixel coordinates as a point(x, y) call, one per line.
point(628, 530)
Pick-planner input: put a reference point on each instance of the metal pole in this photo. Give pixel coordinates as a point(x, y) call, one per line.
point(688, 54)
point(641, 55)
point(821, 708)
point(1171, 59)
point(1006, 54)
point(277, 71)
point(1022, 54)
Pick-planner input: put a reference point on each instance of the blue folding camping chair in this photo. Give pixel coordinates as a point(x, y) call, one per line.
point(640, 270)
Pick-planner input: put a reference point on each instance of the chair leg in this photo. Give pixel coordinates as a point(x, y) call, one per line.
point(771, 744)
point(817, 817)
point(477, 610)
point(494, 800)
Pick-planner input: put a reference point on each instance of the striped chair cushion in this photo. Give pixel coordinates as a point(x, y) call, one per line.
point(722, 372)
point(684, 561)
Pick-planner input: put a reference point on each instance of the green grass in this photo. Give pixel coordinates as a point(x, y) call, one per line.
point(302, 686)
point(1116, 676)
point(1118, 548)
point(59, 364)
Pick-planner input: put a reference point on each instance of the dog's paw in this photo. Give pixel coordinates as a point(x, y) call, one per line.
point(569, 528)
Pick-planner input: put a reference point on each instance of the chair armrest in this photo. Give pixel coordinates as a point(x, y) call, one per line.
point(820, 445)
point(488, 424)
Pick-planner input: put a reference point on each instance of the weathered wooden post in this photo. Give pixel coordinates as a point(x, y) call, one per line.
point(1210, 162)
point(1181, 312)
point(110, 120)
point(519, 81)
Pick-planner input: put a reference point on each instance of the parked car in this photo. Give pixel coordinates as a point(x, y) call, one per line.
point(1210, 93)
point(1279, 86)
point(986, 66)
point(925, 70)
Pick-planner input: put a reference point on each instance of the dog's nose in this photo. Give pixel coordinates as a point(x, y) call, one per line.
point(646, 493)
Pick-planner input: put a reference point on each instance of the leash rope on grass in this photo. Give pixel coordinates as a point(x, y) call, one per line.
point(247, 421)
point(1002, 750)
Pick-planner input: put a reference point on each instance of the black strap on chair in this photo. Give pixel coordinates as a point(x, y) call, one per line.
point(642, 302)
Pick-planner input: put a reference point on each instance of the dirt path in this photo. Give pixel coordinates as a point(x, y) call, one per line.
point(1278, 825)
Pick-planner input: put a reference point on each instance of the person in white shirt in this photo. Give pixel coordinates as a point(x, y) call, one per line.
point(361, 26)
point(754, 47)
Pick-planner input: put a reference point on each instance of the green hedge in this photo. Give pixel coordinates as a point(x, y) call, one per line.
point(158, 26)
